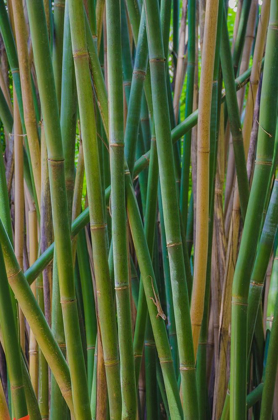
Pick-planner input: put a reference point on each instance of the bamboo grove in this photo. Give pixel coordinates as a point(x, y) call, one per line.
point(138, 209)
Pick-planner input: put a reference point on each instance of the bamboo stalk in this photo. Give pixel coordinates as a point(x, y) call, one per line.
point(202, 215)
point(250, 234)
point(11, 345)
point(25, 79)
point(33, 345)
point(98, 226)
point(59, 206)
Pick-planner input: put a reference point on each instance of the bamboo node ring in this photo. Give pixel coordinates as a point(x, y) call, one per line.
point(127, 83)
point(56, 160)
point(186, 367)
point(97, 227)
point(17, 135)
point(139, 73)
point(117, 145)
point(171, 245)
point(161, 360)
point(157, 60)
point(137, 355)
point(15, 71)
point(153, 139)
point(91, 348)
point(62, 345)
point(149, 343)
point(80, 54)
point(112, 362)
point(261, 162)
point(122, 286)
point(67, 301)
point(234, 302)
point(14, 274)
point(253, 283)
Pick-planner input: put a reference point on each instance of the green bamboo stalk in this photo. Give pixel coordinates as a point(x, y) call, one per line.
point(59, 206)
point(119, 239)
point(264, 250)
point(188, 110)
point(94, 189)
point(271, 362)
point(68, 111)
point(170, 208)
point(253, 220)
point(139, 166)
point(57, 52)
point(134, 108)
point(11, 344)
point(88, 303)
point(149, 229)
point(234, 118)
point(158, 326)
point(239, 41)
point(58, 407)
point(35, 318)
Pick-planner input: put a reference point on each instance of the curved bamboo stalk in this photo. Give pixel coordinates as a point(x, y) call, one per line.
point(35, 318)
point(158, 326)
point(254, 215)
point(202, 216)
point(11, 345)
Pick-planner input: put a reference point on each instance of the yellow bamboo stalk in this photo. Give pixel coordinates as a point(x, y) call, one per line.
point(202, 211)
point(33, 346)
point(25, 79)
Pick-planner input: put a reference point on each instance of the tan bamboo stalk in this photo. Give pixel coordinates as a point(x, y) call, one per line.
point(19, 203)
point(202, 212)
point(19, 185)
point(102, 400)
point(181, 62)
point(25, 78)
point(33, 345)
point(4, 411)
point(256, 69)
point(249, 39)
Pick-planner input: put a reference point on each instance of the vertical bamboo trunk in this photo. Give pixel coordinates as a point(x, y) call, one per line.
point(202, 198)
point(170, 208)
point(59, 206)
point(94, 188)
point(33, 345)
point(253, 217)
point(25, 78)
